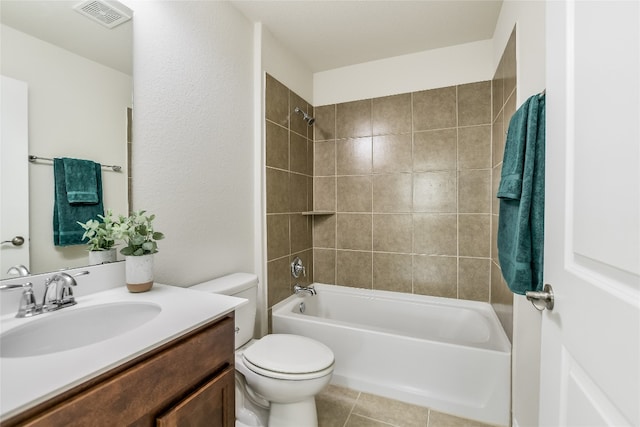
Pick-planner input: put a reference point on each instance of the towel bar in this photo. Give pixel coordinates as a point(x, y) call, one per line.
point(33, 159)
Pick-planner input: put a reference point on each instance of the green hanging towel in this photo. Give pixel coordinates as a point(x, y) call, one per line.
point(521, 194)
point(80, 181)
point(66, 230)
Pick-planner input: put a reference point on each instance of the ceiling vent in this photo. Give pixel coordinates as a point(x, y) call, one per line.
point(110, 14)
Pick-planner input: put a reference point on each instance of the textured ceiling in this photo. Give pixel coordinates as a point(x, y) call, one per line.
point(327, 34)
point(323, 34)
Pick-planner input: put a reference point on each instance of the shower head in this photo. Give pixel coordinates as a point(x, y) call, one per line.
point(307, 118)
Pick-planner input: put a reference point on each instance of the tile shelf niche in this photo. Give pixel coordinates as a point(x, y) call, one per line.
point(315, 213)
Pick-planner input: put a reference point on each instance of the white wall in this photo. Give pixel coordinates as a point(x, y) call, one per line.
point(286, 68)
point(77, 108)
point(530, 33)
point(529, 16)
point(466, 63)
point(193, 136)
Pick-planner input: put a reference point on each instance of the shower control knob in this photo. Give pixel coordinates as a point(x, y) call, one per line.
point(297, 268)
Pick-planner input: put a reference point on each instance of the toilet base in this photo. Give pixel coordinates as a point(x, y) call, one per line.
point(296, 414)
point(249, 413)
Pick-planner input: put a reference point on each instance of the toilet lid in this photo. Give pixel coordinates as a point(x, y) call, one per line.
point(289, 354)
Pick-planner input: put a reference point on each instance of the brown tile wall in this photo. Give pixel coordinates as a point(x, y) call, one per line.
point(504, 106)
point(409, 177)
point(412, 179)
point(289, 181)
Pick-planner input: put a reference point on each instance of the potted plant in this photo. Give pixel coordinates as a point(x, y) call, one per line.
point(101, 237)
point(140, 238)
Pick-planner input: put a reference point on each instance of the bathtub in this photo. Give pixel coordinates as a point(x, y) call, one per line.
point(446, 354)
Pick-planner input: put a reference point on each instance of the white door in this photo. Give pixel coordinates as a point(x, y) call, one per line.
point(14, 179)
point(590, 356)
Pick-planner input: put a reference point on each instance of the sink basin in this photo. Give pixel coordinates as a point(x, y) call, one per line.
point(66, 330)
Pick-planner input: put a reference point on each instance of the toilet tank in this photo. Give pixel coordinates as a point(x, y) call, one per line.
point(241, 285)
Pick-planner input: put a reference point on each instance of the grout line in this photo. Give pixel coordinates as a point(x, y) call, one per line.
point(413, 224)
point(355, 402)
point(371, 182)
point(377, 421)
point(457, 198)
point(335, 192)
point(491, 183)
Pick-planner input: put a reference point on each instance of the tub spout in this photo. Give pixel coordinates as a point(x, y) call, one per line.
point(301, 290)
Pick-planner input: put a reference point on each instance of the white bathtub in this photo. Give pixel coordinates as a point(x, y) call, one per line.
point(446, 354)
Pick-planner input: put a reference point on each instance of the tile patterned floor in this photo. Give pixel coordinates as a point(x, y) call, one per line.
point(343, 407)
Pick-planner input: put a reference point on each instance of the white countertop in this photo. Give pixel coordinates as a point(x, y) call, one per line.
point(28, 381)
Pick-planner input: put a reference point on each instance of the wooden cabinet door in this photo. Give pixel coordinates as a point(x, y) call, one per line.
point(136, 395)
point(212, 405)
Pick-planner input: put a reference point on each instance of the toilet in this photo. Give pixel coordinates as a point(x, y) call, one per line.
point(277, 376)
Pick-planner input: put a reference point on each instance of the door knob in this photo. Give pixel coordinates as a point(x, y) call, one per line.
point(541, 300)
point(16, 241)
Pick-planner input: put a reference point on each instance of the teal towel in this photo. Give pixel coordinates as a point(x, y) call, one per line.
point(80, 180)
point(521, 194)
point(66, 230)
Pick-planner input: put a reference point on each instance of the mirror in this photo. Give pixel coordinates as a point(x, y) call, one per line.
point(78, 75)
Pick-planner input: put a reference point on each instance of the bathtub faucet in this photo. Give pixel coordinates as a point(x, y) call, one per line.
point(297, 289)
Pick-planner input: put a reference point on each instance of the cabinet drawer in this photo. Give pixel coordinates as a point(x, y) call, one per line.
point(211, 405)
point(136, 395)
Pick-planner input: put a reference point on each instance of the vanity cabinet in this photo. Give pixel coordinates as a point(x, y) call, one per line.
point(206, 406)
point(186, 382)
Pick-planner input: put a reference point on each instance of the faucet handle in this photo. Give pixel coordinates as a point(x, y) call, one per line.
point(28, 306)
point(297, 268)
point(14, 286)
point(64, 293)
point(80, 273)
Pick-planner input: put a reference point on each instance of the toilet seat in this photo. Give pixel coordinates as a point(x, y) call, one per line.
point(289, 357)
point(288, 377)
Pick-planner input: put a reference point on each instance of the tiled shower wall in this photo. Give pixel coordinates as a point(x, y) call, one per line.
point(504, 105)
point(409, 177)
point(289, 181)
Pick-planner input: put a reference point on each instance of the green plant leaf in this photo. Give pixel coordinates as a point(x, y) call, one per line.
point(137, 232)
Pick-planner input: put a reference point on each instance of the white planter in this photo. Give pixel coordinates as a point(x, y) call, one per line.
point(139, 273)
point(102, 257)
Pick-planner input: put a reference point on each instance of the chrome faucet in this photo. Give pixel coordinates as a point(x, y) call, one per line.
point(310, 290)
point(297, 270)
point(58, 292)
point(28, 306)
